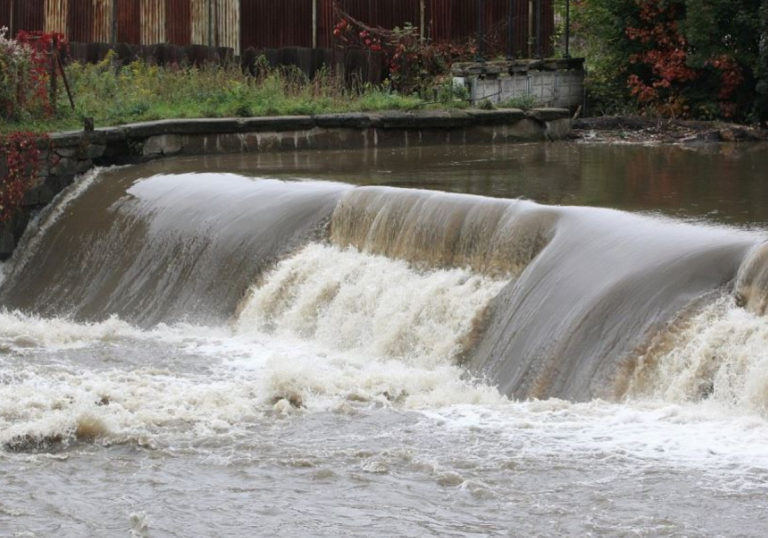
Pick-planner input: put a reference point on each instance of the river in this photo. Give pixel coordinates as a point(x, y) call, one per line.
point(510, 340)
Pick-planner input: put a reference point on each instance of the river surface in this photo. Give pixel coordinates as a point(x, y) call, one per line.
point(516, 340)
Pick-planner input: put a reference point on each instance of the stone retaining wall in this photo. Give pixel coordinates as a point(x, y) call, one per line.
point(67, 154)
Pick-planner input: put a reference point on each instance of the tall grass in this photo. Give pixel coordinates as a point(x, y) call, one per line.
point(113, 94)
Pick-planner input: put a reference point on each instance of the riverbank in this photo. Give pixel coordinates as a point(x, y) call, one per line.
point(639, 130)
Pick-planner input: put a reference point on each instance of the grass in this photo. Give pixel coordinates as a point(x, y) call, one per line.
point(113, 95)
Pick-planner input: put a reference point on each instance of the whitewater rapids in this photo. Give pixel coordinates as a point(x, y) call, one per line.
point(244, 356)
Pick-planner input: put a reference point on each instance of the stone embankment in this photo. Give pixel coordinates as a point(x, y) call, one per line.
point(68, 154)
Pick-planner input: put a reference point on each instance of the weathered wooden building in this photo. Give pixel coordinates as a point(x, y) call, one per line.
point(239, 24)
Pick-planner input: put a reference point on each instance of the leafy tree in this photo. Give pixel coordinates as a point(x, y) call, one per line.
point(682, 58)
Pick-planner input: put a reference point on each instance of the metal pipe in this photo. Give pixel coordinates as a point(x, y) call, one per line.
point(64, 78)
point(567, 28)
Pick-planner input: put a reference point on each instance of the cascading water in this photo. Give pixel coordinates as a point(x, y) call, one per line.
point(170, 248)
point(248, 331)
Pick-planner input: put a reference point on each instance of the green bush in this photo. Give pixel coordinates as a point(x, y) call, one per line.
point(686, 58)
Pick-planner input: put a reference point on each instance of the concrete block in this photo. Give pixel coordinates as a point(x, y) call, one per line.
point(229, 143)
point(164, 144)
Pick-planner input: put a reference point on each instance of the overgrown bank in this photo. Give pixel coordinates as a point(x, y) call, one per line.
point(114, 94)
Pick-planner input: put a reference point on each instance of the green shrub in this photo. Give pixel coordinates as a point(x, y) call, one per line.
point(685, 58)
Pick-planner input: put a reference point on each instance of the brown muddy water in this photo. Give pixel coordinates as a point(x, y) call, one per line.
point(517, 340)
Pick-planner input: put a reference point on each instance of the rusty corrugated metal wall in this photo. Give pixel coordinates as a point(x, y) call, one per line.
point(26, 15)
point(278, 23)
point(200, 30)
point(215, 23)
point(128, 16)
point(451, 20)
point(227, 24)
point(384, 13)
point(548, 26)
point(101, 31)
point(5, 13)
point(80, 20)
point(152, 22)
point(178, 29)
point(56, 14)
point(29, 14)
point(270, 24)
point(326, 22)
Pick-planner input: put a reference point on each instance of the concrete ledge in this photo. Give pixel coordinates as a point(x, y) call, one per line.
point(355, 120)
point(67, 154)
point(498, 117)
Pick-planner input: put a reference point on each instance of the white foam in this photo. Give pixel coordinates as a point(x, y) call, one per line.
point(21, 333)
point(385, 329)
point(720, 355)
point(369, 304)
point(328, 330)
point(646, 433)
point(282, 355)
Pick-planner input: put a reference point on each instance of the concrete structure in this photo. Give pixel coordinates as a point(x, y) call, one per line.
point(551, 83)
point(64, 155)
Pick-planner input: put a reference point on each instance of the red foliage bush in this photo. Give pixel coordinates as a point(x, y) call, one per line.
point(663, 55)
point(680, 58)
point(412, 62)
point(25, 65)
point(22, 165)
